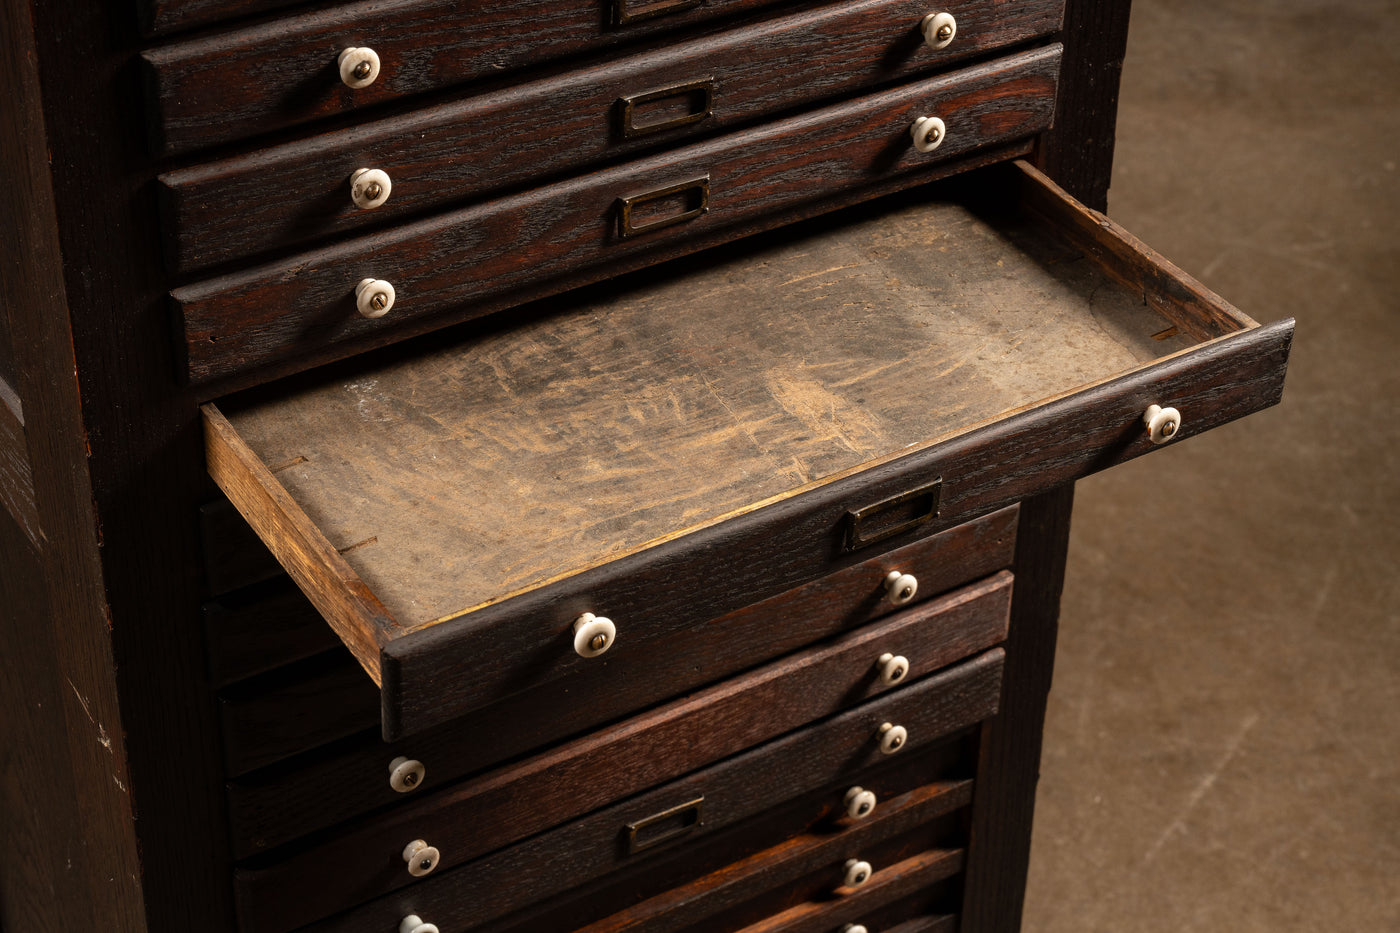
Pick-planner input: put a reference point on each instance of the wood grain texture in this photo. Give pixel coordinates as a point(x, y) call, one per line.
point(442, 155)
point(347, 604)
point(272, 808)
point(70, 857)
point(736, 789)
point(1009, 757)
point(233, 554)
point(286, 71)
point(819, 812)
point(1078, 150)
point(781, 866)
point(16, 477)
point(1174, 294)
point(323, 702)
point(461, 264)
point(669, 741)
point(249, 634)
point(884, 887)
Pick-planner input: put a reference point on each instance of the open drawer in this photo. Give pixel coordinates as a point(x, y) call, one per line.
point(716, 434)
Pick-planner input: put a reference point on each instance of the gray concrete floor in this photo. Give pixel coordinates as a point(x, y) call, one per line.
point(1222, 749)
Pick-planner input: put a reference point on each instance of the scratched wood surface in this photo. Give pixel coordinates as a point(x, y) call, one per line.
point(492, 466)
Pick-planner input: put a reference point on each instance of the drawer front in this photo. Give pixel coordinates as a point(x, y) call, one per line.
point(308, 705)
point(252, 633)
point(304, 887)
point(303, 711)
point(267, 811)
point(469, 262)
point(224, 87)
point(672, 871)
point(656, 746)
point(801, 868)
point(446, 154)
point(918, 886)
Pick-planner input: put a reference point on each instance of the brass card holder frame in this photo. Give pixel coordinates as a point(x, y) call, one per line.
point(862, 529)
point(627, 225)
point(627, 107)
point(632, 11)
point(691, 813)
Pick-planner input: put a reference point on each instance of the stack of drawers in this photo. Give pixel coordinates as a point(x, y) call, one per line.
point(713, 794)
point(798, 747)
point(741, 801)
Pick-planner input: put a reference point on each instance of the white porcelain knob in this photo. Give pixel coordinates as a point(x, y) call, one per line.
point(1162, 423)
point(892, 738)
point(939, 29)
point(406, 774)
point(414, 924)
point(928, 133)
point(369, 188)
point(593, 635)
point(857, 873)
point(860, 803)
point(900, 587)
point(374, 298)
point(854, 928)
point(421, 858)
point(358, 67)
point(893, 668)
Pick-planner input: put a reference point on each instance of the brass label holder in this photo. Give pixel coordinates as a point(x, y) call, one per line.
point(686, 817)
point(631, 108)
point(894, 516)
point(631, 11)
point(628, 224)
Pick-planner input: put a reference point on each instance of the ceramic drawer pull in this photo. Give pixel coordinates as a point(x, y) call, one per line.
point(421, 858)
point(414, 924)
point(374, 298)
point(358, 67)
point(892, 737)
point(939, 29)
point(857, 873)
point(593, 635)
point(854, 928)
point(928, 133)
point(369, 188)
point(860, 803)
point(893, 668)
point(1162, 423)
point(900, 587)
point(406, 774)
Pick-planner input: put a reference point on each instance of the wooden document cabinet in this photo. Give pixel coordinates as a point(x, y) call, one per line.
point(548, 580)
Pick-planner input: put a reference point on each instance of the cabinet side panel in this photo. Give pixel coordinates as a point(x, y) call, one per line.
point(119, 462)
point(1078, 151)
point(70, 857)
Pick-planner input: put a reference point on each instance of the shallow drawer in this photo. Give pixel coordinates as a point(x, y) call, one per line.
point(691, 446)
point(253, 632)
point(268, 810)
point(818, 814)
point(462, 264)
point(323, 879)
point(801, 868)
point(446, 154)
point(913, 894)
point(311, 704)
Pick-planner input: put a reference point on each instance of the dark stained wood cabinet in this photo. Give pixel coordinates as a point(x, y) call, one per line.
point(638, 500)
